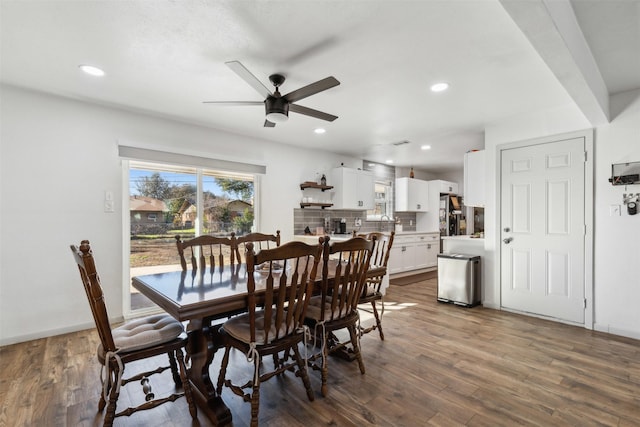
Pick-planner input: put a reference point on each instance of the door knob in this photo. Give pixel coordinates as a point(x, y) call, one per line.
point(507, 229)
point(507, 240)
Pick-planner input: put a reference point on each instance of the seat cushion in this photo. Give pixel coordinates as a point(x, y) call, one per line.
point(238, 327)
point(144, 332)
point(314, 310)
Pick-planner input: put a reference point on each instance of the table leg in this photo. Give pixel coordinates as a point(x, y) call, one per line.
point(201, 349)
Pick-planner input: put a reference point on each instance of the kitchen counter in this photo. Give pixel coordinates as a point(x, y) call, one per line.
point(464, 238)
point(463, 245)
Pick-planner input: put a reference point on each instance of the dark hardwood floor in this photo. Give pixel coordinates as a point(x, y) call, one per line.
point(439, 365)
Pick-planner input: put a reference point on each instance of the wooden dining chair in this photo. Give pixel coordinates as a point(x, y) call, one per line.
point(371, 292)
point(203, 251)
point(260, 241)
point(134, 340)
point(279, 286)
point(337, 305)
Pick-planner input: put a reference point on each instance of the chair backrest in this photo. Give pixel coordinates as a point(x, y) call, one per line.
point(91, 281)
point(205, 250)
point(351, 259)
point(381, 247)
point(260, 241)
point(281, 280)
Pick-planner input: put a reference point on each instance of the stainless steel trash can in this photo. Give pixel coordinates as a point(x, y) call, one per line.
point(459, 279)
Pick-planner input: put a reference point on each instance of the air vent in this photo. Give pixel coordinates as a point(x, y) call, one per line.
point(401, 143)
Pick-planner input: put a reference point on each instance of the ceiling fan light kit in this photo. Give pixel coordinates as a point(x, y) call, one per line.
point(277, 106)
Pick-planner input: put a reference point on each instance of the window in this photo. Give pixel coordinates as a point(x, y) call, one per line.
point(169, 200)
point(383, 191)
point(384, 179)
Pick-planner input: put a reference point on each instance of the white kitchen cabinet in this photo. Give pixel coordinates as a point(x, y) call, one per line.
point(474, 162)
point(414, 252)
point(446, 187)
point(412, 195)
point(354, 189)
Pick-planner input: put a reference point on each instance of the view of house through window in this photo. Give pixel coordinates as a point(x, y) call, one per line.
point(167, 201)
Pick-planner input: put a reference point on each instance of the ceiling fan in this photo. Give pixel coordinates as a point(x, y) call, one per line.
point(277, 106)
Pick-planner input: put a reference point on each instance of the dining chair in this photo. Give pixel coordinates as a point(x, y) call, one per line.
point(371, 292)
point(280, 282)
point(260, 241)
point(135, 340)
point(337, 305)
point(205, 250)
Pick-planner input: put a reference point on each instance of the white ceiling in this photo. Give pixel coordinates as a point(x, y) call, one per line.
point(166, 57)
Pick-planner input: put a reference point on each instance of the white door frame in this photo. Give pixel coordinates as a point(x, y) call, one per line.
point(588, 212)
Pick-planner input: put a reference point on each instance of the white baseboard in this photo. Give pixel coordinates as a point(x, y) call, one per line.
point(51, 333)
point(616, 331)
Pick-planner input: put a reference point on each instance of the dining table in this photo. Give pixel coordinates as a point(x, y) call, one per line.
point(200, 297)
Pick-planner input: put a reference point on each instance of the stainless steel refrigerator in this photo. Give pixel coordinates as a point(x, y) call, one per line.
point(451, 217)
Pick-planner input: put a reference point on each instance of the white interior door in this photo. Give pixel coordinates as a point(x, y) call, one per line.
point(543, 229)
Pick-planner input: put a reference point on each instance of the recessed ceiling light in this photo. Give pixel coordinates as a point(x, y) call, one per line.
point(91, 70)
point(439, 87)
point(320, 130)
point(388, 161)
point(425, 147)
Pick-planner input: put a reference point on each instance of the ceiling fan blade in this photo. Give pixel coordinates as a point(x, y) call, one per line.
point(234, 103)
point(269, 124)
point(312, 89)
point(311, 112)
point(246, 75)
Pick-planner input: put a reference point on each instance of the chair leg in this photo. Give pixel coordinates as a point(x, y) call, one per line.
point(255, 395)
point(223, 369)
point(186, 384)
point(356, 346)
point(174, 370)
point(113, 399)
point(378, 318)
point(324, 371)
point(302, 372)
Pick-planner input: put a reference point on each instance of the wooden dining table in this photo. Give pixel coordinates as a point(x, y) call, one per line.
point(200, 298)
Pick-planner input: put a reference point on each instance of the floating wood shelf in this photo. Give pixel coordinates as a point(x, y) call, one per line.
point(322, 205)
point(311, 184)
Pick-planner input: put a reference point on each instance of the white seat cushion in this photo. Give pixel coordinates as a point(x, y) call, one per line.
point(145, 332)
point(238, 327)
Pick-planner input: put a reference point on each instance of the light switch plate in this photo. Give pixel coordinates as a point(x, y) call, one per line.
point(108, 206)
point(614, 210)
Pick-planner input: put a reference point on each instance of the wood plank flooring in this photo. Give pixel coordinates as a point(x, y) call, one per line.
point(439, 365)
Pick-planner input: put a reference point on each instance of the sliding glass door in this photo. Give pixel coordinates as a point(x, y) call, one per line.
point(167, 201)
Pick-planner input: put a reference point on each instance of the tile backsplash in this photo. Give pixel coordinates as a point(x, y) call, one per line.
point(313, 218)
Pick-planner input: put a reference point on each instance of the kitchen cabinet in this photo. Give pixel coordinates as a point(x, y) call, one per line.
point(412, 195)
point(354, 189)
point(447, 187)
point(474, 191)
point(414, 252)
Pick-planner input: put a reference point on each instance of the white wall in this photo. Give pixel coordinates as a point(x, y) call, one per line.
point(616, 255)
point(58, 156)
point(617, 239)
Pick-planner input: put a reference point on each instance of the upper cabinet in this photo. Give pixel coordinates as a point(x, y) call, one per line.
point(354, 189)
point(412, 195)
point(446, 187)
point(474, 162)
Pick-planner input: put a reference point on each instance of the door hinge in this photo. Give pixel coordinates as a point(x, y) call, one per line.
point(585, 156)
point(585, 303)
